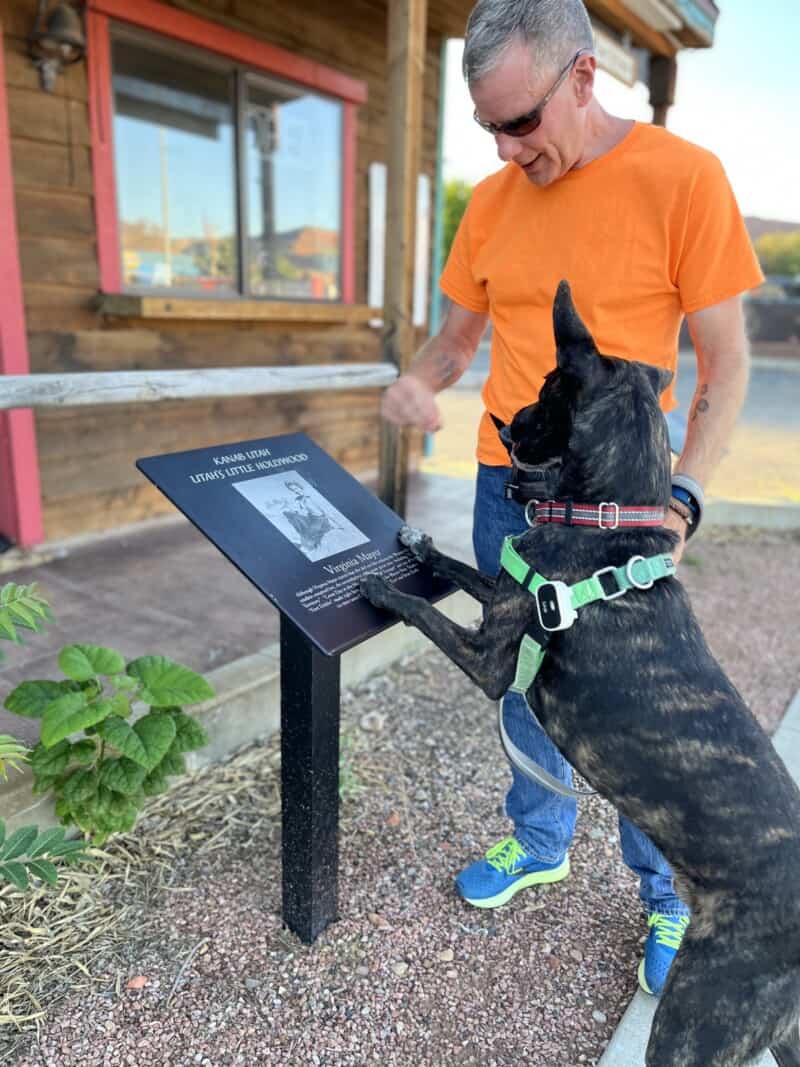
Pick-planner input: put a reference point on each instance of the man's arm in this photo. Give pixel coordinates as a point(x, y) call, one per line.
point(723, 365)
point(411, 400)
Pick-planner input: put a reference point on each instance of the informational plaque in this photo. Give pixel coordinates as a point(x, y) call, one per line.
point(301, 528)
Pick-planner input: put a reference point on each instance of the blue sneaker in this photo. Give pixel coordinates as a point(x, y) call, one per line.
point(660, 949)
point(505, 869)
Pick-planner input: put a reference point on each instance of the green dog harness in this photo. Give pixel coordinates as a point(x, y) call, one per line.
point(557, 603)
point(557, 607)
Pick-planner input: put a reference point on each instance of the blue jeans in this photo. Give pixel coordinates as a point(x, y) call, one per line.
point(543, 821)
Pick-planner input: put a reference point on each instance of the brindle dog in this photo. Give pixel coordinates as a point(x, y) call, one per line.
point(634, 699)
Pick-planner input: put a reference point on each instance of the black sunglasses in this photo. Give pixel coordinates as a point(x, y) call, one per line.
point(532, 120)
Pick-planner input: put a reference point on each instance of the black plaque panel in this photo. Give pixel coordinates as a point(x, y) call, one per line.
point(299, 527)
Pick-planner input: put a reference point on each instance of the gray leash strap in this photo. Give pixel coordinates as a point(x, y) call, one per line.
point(525, 765)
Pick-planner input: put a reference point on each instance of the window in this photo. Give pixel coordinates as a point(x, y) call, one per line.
point(230, 181)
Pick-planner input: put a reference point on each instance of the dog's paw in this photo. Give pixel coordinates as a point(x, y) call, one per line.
point(376, 590)
point(416, 541)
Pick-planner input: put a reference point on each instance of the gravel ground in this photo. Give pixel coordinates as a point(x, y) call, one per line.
point(204, 973)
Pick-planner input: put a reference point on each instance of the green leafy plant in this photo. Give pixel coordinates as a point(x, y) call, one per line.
point(28, 852)
point(21, 607)
point(11, 753)
point(99, 764)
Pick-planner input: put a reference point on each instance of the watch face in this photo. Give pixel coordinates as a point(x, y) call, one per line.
point(547, 602)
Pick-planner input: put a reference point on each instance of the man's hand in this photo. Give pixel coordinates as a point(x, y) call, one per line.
point(673, 521)
point(410, 402)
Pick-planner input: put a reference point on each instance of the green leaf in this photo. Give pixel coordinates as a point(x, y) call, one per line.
point(155, 783)
point(84, 751)
point(7, 629)
point(122, 705)
point(22, 615)
point(46, 840)
point(166, 683)
point(189, 733)
point(124, 681)
point(2, 831)
point(45, 870)
point(80, 787)
point(50, 762)
point(14, 873)
point(172, 763)
point(32, 698)
point(8, 592)
point(122, 736)
point(68, 848)
point(69, 714)
point(122, 775)
point(156, 732)
point(19, 842)
point(83, 662)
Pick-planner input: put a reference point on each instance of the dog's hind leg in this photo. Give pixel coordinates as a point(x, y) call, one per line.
point(722, 1010)
point(477, 585)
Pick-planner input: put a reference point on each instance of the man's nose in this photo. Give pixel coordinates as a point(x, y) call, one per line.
point(507, 147)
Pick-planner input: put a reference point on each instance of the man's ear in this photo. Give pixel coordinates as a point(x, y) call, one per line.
point(576, 352)
point(659, 377)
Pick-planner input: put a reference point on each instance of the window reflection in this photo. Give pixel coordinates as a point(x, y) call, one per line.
point(293, 161)
point(174, 146)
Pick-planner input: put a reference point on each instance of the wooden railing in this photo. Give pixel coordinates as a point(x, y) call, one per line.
point(127, 387)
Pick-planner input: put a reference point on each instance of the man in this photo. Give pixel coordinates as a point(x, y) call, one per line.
point(646, 229)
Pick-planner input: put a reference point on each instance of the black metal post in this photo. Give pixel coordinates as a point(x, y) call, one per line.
point(309, 783)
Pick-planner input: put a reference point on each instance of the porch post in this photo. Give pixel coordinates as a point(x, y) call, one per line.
point(20, 496)
point(407, 20)
point(663, 76)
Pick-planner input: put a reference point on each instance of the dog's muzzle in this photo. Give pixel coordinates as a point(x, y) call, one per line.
point(528, 481)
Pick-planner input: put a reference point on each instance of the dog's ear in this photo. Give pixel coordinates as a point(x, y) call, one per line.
point(576, 351)
point(659, 377)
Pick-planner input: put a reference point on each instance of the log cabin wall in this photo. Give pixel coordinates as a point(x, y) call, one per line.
point(89, 482)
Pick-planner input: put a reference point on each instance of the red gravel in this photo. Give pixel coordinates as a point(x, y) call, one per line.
point(410, 975)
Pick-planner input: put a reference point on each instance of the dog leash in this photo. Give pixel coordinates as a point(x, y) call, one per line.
point(557, 606)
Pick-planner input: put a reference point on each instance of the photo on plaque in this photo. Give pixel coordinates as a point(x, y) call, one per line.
point(302, 514)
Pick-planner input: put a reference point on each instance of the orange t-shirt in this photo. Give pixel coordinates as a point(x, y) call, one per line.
point(644, 234)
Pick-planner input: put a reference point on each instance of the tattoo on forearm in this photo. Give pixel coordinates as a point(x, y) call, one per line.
point(444, 367)
point(702, 404)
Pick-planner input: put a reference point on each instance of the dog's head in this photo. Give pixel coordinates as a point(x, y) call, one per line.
point(597, 419)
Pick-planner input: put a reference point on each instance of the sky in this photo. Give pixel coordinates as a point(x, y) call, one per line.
point(740, 99)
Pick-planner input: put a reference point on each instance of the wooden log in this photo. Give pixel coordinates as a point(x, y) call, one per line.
point(69, 390)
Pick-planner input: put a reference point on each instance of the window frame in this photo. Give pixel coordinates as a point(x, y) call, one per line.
point(214, 38)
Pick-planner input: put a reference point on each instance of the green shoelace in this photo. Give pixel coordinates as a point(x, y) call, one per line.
point(504, 855)
point(669, 928)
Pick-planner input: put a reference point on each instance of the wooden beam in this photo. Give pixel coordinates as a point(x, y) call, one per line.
point(406, 67)
point(126, 387)
point(616, 14)
point(167, 307)
point(662, 79)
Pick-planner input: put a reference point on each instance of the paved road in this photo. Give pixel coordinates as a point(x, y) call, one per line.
point(761, 467)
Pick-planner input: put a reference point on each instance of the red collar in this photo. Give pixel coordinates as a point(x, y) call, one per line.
point(606, 516)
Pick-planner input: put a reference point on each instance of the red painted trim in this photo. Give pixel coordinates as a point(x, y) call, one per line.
point(152, 15)
point(101, 117)
point(349, 134)
point(20, 495)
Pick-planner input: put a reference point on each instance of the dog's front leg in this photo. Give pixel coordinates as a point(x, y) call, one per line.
point(486, 655)
point(473, 582)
